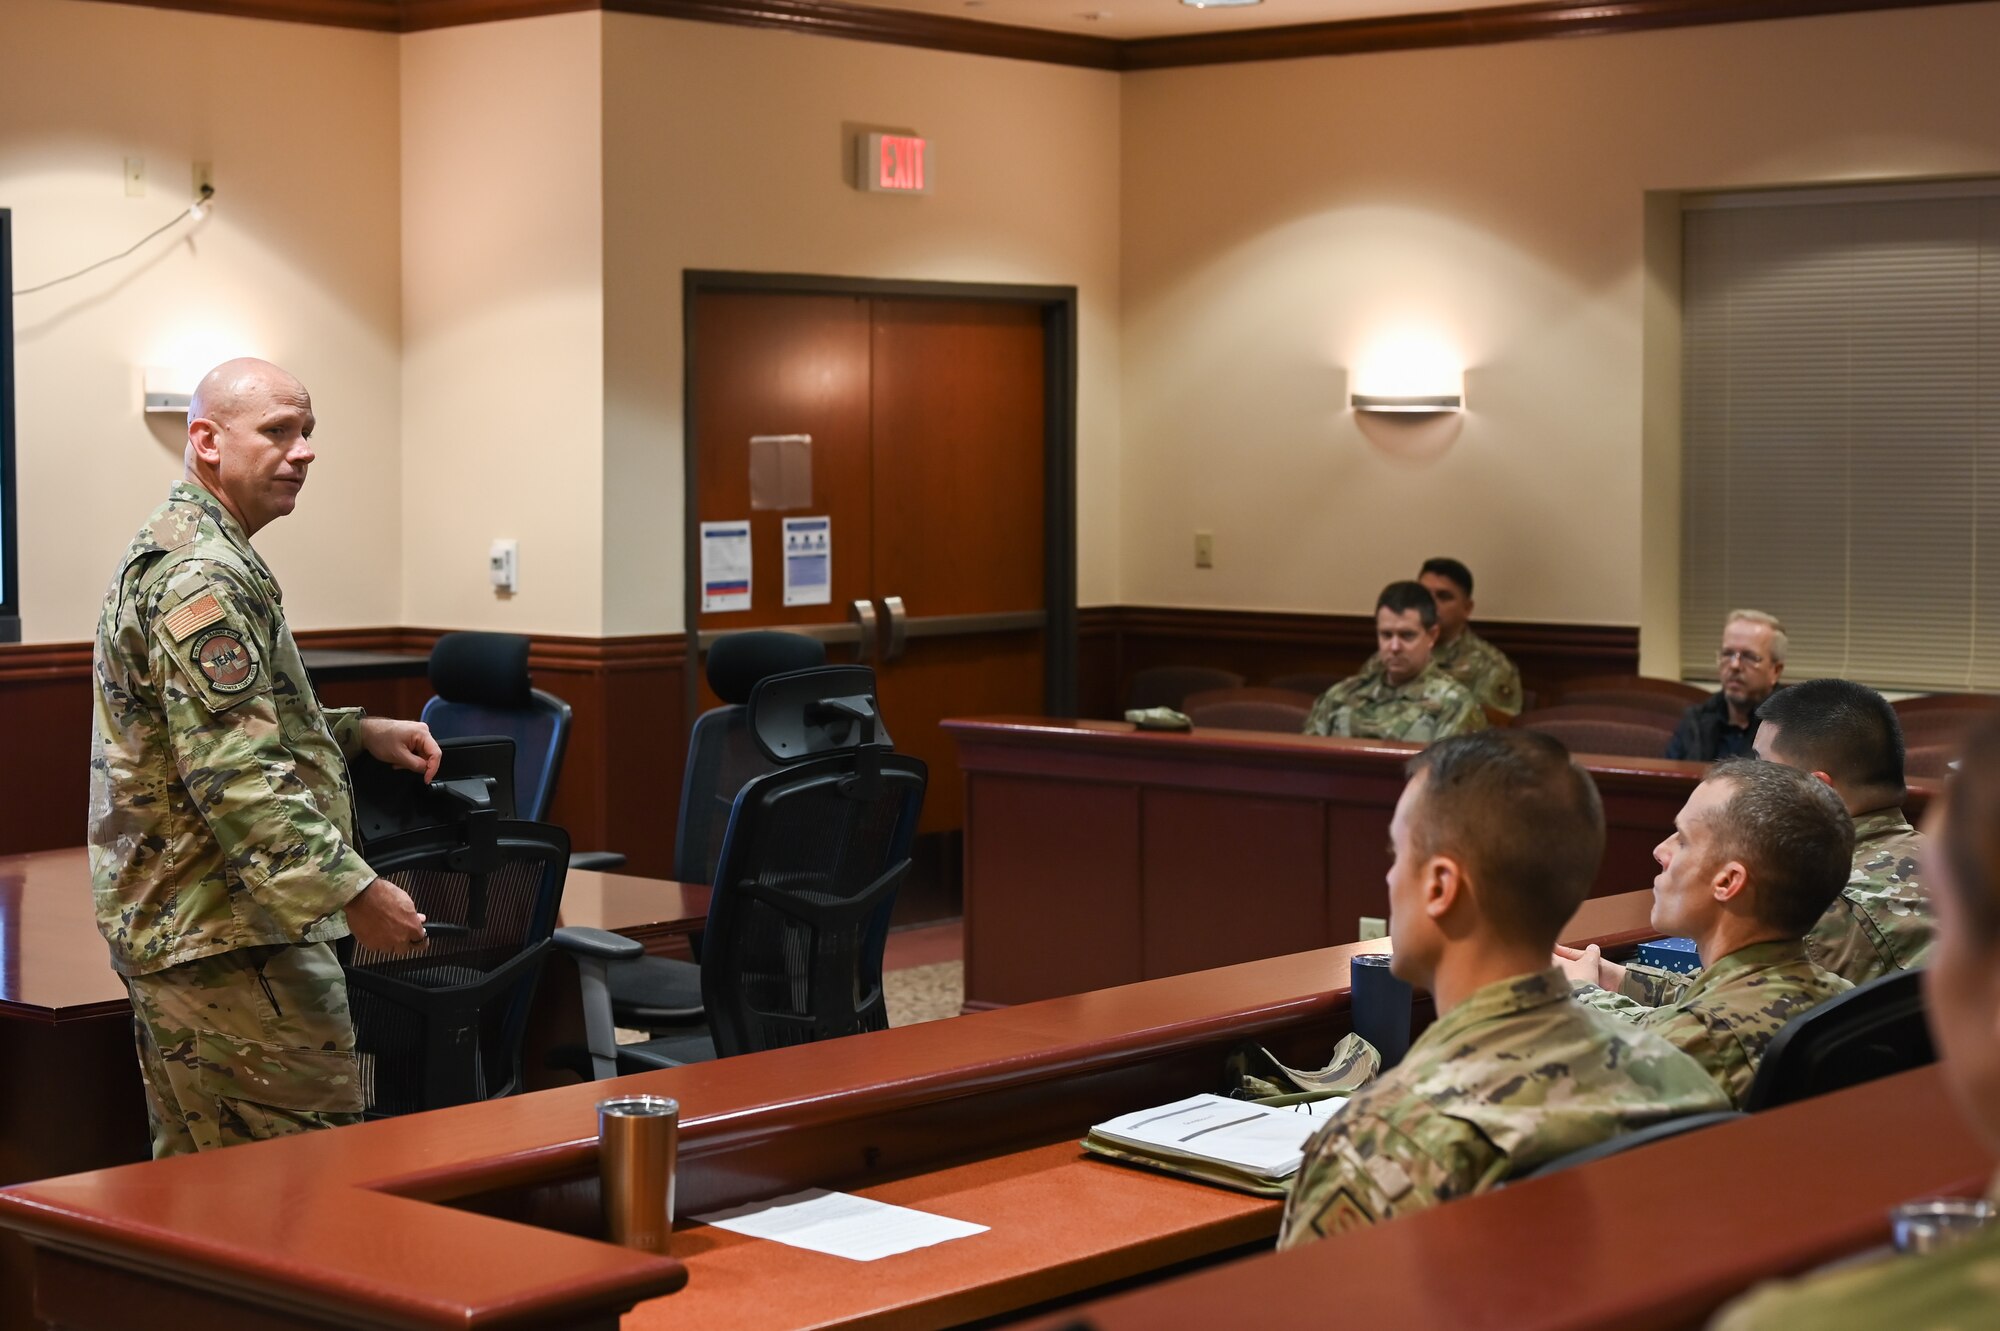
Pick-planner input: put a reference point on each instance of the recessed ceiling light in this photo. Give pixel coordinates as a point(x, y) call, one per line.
point(1220, 4)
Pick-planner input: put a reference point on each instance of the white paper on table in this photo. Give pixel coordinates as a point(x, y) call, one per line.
point(725, 566)
point(808, 561)
point(840, 1224)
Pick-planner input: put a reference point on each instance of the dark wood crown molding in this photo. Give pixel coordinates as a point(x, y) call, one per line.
point(896, 27)
point(1478, 27)
point(838, 18)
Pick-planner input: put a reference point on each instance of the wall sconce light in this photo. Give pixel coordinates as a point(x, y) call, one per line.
point(169, 391)
point(1409, 403)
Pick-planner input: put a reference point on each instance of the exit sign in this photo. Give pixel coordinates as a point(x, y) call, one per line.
point(894, 164)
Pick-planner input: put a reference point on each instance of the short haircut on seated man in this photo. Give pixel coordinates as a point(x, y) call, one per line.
point(1847, 730)
point(1443, 566)
point(1522, 816)
point(1398, 597)
point(1790, 830)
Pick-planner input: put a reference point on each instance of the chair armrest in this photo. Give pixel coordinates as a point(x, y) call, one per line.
point(603, 861)
point(598, 944)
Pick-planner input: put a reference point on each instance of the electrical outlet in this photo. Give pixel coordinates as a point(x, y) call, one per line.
point(1204, 549)
point(503, 565)
point(1372, 926)
point(135, 176)
point(204, 178)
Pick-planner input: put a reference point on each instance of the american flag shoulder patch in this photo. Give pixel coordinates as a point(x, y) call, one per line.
point(199, 613)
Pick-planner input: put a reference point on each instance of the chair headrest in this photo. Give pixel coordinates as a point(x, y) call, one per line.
point(808, 713)
point(486, 669)
point(738, 662)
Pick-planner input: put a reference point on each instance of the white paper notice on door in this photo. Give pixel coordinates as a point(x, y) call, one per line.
point(808, 561)
point(725, 566)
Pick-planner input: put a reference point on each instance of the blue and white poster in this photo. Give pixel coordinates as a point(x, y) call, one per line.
point(808, 561)
point(725, 566)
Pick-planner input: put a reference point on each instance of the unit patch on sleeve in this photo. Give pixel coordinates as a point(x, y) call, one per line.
point(225, 660)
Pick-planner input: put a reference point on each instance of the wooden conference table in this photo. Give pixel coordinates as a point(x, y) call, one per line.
point(484, 1216)
point(1098, 854)
point(1655, 1239)
point(72, 1098)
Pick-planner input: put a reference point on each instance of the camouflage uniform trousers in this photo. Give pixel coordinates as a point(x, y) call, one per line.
point(245, 1045)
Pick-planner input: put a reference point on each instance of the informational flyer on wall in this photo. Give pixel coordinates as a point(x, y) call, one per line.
point(725, 566)
point(808, 561)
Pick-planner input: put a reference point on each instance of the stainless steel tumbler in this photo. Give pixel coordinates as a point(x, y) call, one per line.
point(637, 1138)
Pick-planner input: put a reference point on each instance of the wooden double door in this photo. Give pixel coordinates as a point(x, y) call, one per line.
point(925, 424)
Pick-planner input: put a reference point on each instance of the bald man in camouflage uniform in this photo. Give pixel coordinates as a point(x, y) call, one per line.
point(1756, 854)
point(1400, 694)
point(221, 816)
point(1497, 839)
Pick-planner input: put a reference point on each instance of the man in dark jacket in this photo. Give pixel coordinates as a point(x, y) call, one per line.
point(1751, 659)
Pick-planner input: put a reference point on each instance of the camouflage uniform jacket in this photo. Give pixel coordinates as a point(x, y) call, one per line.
point(221, 816)
point(1726, 1017)
point(1482, 668)
point(1954, 1290)
point(1429, 707)
point(1881, 921)
point(1515, 1076)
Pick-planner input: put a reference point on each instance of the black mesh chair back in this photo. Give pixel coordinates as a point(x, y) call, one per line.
point(809, 869)
point(1645, 1136)
point(722, 756)
point(1873, 1030)
point(722, 759)
point(445, 1026)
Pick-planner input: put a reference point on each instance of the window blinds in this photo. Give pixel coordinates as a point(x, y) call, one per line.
point(1841, 433)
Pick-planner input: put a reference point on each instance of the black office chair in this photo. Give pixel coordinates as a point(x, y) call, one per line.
point(659, 993)
point(484, 689)
point(805, 881)
point(1873, 1030)
point(445, 1026)
point(1646, 1136)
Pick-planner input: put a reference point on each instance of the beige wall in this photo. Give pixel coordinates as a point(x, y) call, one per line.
point(469, 243)
point(723, 149)
point(1280, 218)
point(297, 263)
point(503, 323)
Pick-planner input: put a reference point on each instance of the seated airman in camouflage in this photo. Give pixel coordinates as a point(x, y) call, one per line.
point(1496, 841)
point(1755, 856)
point(1959, 1287)
point(1468, 658)
point(1847, 735)
point(1400, 693)
point(221, 817)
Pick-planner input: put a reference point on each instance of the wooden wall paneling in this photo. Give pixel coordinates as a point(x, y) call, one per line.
point(645, 752)
point(45, 713)
point(1233, 864)
point(1098, 671)
point(1261, 645)
point(1357, 866)
point(1093, 832)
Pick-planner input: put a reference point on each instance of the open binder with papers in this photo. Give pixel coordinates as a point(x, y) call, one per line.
point(1235, 1143)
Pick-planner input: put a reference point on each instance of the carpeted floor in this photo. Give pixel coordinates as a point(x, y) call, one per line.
point(915, 993)
point(924, 993)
